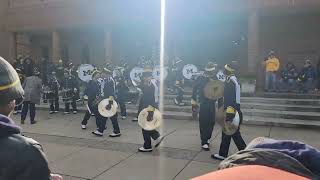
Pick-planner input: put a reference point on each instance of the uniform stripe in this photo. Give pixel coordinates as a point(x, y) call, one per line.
point(9, 85)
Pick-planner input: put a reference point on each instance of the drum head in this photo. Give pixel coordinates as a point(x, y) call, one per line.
point(107, 113)
point(214, 89)
point(85, 72)
point(135, 74)
point(221, 76)
point(156, 73)
point(189, 70)
point(149, 125)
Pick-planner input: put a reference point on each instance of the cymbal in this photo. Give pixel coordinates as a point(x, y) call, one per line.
point(149, 125)
point(107, 113)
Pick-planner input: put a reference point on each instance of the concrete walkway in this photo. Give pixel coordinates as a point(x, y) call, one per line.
point(78, 155)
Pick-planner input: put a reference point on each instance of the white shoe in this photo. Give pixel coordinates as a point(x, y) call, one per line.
point(176, 102)
point(115, 135)
point(142, 149)
point(92, 114)
point(97, 133)
point(66, 112)
point(75, 112)
point(135, 119)
point(51, 112)
point(158, 141)
point(124, 117)
point(56, 111)
point(217, 156)
point(182, 104)
point(205, 147)
point(83, 126)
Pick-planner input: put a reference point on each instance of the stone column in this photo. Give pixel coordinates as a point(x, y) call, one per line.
point(254, 61)
point(56, 47)
point(12, 46)
point(253, 42)
point(108, 45)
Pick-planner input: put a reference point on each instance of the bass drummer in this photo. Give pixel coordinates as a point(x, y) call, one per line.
point(70, 88)
point(53, 85)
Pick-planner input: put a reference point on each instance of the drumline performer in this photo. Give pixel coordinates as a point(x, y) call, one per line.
point(179, 82)
point(122, 92)
point(108, 90)
point(54, 86)
point(18, 108)
point(70, 88)
point(149, 100)
point(231, 108)
point(91, 93)
point(207, 106)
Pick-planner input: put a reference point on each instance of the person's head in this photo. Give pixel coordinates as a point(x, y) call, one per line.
point(60, 62)
point(28, 61)
point(106, 73)
point(10, 87)
point(272, 54)
point(211, 69)
point(95, 75)
point(147, 73)
point(230, 113)
point(228, 69)
point(307, 63)
point(36, 72)
point(66, 73)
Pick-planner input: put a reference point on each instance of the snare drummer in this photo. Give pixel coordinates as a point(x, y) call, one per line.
point(54, 86)
point(69, 83)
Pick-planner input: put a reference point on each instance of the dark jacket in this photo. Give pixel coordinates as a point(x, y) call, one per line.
point(28, 69)
point(109, 87)
point(53, 84)
point(231, 93)
point(69, 83)
point(92, 91)
point(149, 96)
point(289, 73)
point(21, 158)
point(308, 73)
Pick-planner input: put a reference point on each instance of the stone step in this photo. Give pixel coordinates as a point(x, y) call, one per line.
point(255, 120)
point(313, 102)
point(290, 95)
point(282, 114)
point(280, 107)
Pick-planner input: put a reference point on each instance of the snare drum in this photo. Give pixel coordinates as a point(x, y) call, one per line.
point(48, 95)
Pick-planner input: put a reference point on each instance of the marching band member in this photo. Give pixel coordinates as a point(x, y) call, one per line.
point(122, 91)
point(179, 81)
point(59, 70)
point(149, 100)
point(207, 106)
point(108, 90)
point(232, 106)
point(54, 86)
point(32, 91)
point(69, 82)
point(90, 95)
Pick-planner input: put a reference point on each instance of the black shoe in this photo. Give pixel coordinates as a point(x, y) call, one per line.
point(22, 121)
point(33, 122)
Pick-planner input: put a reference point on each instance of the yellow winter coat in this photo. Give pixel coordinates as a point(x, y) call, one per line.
point(272, 64)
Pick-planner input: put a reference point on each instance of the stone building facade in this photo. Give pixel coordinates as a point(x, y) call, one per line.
point(93, 31)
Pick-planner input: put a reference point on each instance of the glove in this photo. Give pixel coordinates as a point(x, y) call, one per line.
point(150, 110)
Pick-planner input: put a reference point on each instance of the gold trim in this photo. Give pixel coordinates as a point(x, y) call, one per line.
point(228, 68)
point(9, 85)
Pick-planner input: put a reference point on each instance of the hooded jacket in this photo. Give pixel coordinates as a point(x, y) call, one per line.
point(21, 158)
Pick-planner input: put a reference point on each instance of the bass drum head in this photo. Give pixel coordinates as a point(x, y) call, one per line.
point(189, 70)
point(85, 72)
point(135, 74)
point(107, 113)
point(220, 75)
point(156, 73)
point(149, 125)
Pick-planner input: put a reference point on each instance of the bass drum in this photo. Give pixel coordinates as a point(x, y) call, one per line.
point(85, 72)
point(135, 75)
point(189, 70)
point(156, 73)
point(220, 75)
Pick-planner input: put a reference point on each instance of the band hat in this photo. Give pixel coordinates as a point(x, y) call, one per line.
point(10, 86)
point(229, 68)
point(106, 70)
point(210, 67)
point(230, 110)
